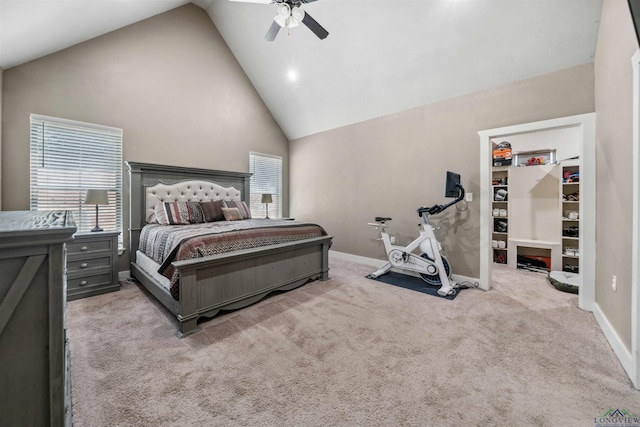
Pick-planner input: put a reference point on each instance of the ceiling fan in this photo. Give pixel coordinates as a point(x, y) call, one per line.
point(290, 15)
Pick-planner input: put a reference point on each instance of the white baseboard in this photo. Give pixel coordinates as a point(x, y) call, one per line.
point(357, 258)
point(377, 263)
point(123, 275)
point(624, 355)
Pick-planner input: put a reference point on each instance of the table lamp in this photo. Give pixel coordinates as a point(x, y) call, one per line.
point(96, 197)
point(266, 199)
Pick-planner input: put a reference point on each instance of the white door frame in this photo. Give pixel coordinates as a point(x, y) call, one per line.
point(635, 243)
point(587, 125)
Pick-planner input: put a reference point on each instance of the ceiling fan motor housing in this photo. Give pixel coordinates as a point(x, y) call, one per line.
point(290, 14)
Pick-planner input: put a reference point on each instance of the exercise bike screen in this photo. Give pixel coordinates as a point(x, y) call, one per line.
point(451, 187)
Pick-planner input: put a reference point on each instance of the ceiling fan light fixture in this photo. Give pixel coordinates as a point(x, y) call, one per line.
point(297, 14)
point(280, 20)
point(291, 22)
point(284, 13)
point(286, 22)
point(289, 17)
point(284, 10)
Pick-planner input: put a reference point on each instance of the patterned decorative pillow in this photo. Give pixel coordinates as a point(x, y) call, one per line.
point(213, 210)
point(179, 213)
point(232, 214)
point(196, 216)
point(242, 207)
point(152, 218)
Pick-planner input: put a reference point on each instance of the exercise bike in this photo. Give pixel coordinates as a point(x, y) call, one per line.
point(433, 267)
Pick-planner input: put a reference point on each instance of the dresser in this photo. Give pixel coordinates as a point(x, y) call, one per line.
point(92, 264)
point(34, 354)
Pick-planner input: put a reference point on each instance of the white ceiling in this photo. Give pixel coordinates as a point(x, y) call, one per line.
point(381, 56)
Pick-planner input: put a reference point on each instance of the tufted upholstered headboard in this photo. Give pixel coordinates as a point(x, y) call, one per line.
point(150, 184)
point(186, 191)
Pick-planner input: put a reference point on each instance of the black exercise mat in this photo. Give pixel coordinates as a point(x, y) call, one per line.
point(411, 282)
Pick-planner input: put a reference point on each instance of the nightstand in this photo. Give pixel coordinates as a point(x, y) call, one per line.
point(92, 264)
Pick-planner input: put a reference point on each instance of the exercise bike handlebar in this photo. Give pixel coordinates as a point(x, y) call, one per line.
point(436, 209)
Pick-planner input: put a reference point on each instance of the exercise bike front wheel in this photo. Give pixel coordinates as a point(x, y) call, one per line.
point(434, 279)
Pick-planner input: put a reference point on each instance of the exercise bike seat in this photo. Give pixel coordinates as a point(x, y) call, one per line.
point(382, 219)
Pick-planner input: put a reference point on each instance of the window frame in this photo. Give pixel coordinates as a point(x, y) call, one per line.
point(63, 184)
point(259, 185)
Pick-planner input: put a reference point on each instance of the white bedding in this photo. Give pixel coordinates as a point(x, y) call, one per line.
point(152, 267)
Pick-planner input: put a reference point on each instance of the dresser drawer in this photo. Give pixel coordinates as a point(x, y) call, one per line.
point(74, 265)
point(86, 246)
point(87, 282)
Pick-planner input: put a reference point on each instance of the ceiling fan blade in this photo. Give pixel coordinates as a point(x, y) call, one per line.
point(313, 25)
point(273, 32)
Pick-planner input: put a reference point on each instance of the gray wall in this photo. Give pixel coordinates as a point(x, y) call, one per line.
point(170, 82)
point(614, 127)
point(392, 165)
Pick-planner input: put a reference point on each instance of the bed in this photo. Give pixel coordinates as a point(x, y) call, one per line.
point(211, 282)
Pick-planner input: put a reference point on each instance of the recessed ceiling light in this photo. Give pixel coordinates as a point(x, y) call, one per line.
point(292, 75)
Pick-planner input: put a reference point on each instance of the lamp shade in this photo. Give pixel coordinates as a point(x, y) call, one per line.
point(266, 198)
point(96, 197)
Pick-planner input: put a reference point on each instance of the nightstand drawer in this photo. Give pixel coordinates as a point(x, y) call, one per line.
point(89, 281)
point(87, 264)
point(85, 246)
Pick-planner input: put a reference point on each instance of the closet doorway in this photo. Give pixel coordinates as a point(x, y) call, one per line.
point(539, 228)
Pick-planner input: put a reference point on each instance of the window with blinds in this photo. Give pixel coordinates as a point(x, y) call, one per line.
point(266, 179)
point(67, 159)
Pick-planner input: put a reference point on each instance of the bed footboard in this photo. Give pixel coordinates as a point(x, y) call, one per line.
point(235, 280)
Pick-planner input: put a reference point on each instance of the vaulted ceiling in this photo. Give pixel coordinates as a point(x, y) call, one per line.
point(381, 56)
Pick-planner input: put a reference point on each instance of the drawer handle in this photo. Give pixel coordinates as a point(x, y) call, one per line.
point(84, 265)
point(83, 283)
point(84, 248)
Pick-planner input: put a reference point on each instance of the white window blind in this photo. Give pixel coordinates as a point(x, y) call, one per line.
point(67, 159)
point(266, 179)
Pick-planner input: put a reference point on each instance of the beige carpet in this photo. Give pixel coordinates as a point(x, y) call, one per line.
point(349, 352)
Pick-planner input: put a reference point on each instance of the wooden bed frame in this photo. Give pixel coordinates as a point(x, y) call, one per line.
point(227, 281)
